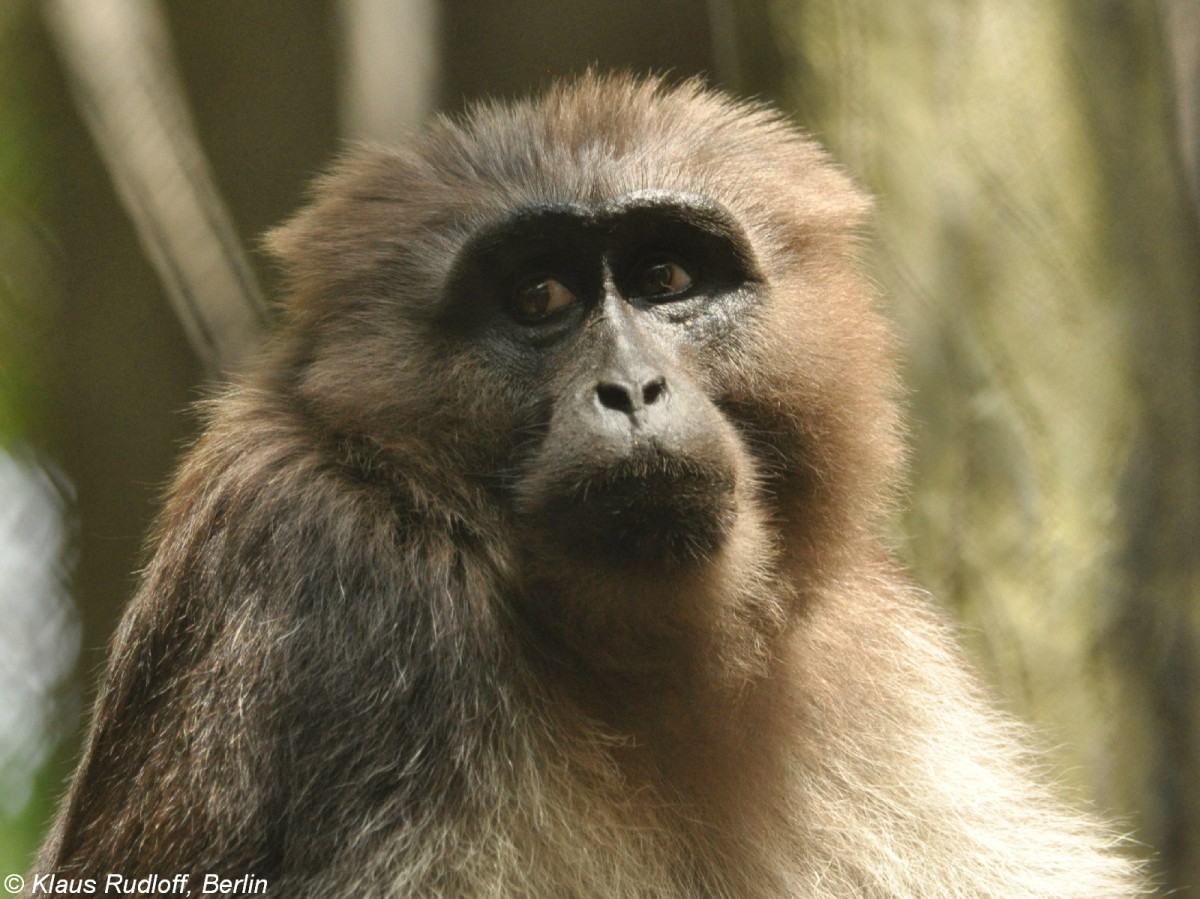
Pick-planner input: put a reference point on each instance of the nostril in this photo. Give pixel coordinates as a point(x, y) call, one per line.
point(654, 391)
point(615, 397)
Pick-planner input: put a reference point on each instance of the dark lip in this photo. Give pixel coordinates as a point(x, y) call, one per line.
point(647, 509)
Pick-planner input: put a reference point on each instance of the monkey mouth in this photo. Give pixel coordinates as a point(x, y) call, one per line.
point(647, 509)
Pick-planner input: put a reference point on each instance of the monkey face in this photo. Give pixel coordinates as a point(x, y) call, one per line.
point(630, 314)
point(610, 317)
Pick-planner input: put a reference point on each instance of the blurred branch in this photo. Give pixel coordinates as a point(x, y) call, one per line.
point(118, 57)
point(722, 23)
point(391, 66)
point(1183, 38)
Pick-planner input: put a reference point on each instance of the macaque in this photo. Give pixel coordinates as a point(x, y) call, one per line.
point(541, 553)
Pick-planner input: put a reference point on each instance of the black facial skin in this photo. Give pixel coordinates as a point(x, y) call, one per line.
point(589, 310)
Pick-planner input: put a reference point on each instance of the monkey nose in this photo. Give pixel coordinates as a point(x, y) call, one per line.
point(630, 397)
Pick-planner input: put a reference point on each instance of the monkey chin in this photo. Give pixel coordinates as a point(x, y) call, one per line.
point(650, 509)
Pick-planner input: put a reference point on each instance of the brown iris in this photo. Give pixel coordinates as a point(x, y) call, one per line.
point(542, 298)
point(660, 277)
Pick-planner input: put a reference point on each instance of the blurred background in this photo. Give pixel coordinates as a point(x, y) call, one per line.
point(1037, 168)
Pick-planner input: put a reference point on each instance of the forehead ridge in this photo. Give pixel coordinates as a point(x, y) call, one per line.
point(597, 140)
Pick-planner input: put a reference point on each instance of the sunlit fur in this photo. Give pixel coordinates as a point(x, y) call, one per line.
point(329, 677)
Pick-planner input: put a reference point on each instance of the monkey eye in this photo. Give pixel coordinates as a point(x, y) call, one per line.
point(541, 298)
point(659, 276)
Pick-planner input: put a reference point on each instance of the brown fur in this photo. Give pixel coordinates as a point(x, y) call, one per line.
point(355, 669)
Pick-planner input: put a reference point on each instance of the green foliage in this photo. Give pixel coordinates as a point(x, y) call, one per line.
point(27, 303)
point(24, 268)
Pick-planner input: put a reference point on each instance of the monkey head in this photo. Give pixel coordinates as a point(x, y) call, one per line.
point(629, 317)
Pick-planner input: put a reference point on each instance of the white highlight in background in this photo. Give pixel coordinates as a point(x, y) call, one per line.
point(39, 624)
